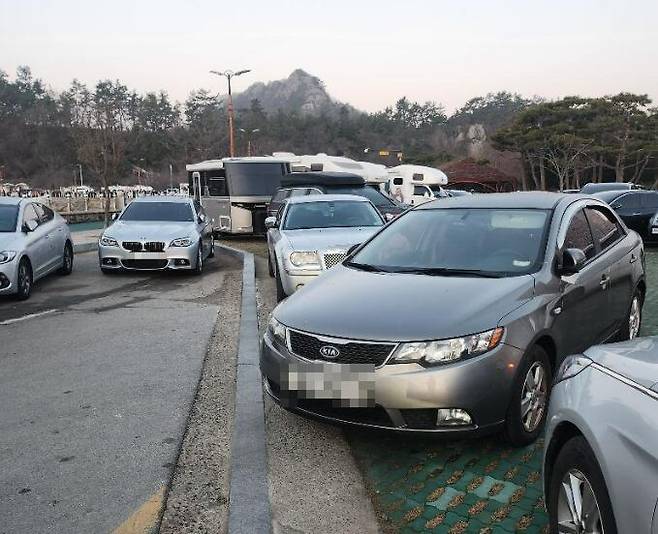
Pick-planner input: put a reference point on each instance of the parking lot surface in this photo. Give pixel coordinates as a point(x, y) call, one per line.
point(98, 377)
point(421, 484)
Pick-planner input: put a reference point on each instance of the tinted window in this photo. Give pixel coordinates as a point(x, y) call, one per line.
point(650, 200)
point(217, 186)
point(8, 216)
point(604, 227)
point(630, 200)
point(298, 193)
point(331, 214)
point(158, 211)
point(280, 195)
point(376, 197)
point(30, 214)
point(48, 214)
point(397, 181)
point(496, 242)
point(248, 179)
point(579, 235)
point(420, 191)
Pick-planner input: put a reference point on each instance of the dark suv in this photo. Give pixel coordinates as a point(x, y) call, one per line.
point(335, 183)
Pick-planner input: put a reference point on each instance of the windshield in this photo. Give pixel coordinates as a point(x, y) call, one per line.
point(609, 196)
point(8, 216)
point(330, 214)
point(468, 241)
point(374, 196)
point(254, 179)
point(158, 211)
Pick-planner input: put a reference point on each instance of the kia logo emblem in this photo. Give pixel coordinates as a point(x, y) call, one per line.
point(330, 352)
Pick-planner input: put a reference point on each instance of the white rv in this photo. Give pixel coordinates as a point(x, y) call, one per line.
point(415, 184)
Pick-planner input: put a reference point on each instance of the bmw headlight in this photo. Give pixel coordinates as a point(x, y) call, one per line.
point(571, 366)
point(301, 258)
point(7, 255)
point(181, 242)
point(448, 350)
point(277, 330)
point(107, 241)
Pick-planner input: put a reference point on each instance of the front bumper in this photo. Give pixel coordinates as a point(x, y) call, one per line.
point(408, 396)
point(179, 258)
point(8, 276)
point(292, 280)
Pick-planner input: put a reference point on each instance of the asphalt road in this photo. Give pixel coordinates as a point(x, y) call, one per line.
point(97, 376)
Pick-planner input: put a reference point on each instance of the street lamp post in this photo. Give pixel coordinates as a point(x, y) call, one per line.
point(228, 74)
point(249, 133)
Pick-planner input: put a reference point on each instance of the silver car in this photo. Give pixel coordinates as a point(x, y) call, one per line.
point(601, 452)
point(313, 233)
point(157, 233)
point(34, 242)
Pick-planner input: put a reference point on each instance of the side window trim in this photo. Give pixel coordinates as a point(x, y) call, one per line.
point(611, 214)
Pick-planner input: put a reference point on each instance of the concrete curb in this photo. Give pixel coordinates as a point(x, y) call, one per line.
point(79, 248)
point(249, 501)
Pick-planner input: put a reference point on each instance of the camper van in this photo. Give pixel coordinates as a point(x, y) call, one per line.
point(234, 192)
point(415, 184)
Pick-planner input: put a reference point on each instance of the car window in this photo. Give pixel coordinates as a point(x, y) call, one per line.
point(627, 201)
point(297, 193)
point(604, 226)
point(312, 191)
point(649, 200)
point(280, 195)
point(331, 214)
point(579, 235)
point(45, 212)
point(30, 214)
point(376, 197)
point(8, 216)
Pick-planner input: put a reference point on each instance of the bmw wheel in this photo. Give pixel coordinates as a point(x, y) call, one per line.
point(199, 260)
point(24, 280)
point(212, 247)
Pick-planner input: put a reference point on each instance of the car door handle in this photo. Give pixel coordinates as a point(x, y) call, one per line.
point(633, 258)
point(604, 281)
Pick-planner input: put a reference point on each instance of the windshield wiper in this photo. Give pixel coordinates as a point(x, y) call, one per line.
point(445, 271)
point(364, 267)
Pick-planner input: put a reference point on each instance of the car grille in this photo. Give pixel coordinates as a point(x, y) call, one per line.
point(420, 418)
point(333, 258)
point(133, 246)
point(144, 264)
point(308, 346)
point(154, 246)
point(148, 246)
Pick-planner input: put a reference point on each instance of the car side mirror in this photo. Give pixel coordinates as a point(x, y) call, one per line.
point(270, 222)
point(30, 226)
point(115, 216)
point(573, 260)
point(616, 206)
point(352, 249)
point(202, 219)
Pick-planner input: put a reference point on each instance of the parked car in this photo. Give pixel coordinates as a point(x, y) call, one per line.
point(34, 242)
point(313, 233)
point(156, 233)
point(601, 453)
point(336, 183)
point(591, 188)
point(457, 192)
point(636, 208)
point(459, 312)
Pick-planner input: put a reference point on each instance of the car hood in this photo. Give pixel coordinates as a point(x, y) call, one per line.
point(11, 241)
point(636, 360)
point(327, 238)
point(355, 304)
point(150, 231)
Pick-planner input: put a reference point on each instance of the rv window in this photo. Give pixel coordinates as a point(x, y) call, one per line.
point(397, 181)
point(421, 190)
point(217, 186)
point(418, 176)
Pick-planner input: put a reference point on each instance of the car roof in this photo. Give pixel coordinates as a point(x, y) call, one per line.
point(326, 198)
point(12, 201)
point(521, 200)
point(321, 178)
point(163, 198)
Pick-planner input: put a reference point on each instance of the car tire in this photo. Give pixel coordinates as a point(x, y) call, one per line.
point(280, 293)
point(67, 260)
point(577, 470)
point(633, 321)
point(270, 267)
point(198, 268)
point(526, 413)
point(212, 247)
point(24, 280)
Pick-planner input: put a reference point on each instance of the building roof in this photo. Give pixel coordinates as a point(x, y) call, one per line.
point(469, 170)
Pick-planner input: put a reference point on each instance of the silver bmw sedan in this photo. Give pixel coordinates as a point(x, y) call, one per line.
point(157, 233)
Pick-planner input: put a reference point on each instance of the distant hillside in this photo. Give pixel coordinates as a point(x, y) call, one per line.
point(300, 92)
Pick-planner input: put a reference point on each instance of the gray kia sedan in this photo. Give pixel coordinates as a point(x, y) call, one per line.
point(34, 241)
point(157, 233)
point(601, 452)
point(453, 318)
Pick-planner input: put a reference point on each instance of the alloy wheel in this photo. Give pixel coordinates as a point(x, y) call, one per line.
point(533, 397)
point(577, 508)
point(634, 318)
point(24, 281)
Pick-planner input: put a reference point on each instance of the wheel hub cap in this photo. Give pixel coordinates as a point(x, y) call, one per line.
point(533, 397)
point(634, 319)
point(577, 508)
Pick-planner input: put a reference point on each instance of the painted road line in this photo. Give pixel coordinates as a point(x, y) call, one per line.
point(249, 500)
point(26, 317)
point(145, 519)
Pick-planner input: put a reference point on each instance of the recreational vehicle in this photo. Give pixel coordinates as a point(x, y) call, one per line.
point(415, 184)
point(235, 191)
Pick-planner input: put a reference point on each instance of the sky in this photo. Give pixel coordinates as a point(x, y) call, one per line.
point(367, 53)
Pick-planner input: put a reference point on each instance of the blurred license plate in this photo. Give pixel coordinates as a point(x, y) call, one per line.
point(352, 384)
point(149, 256)
point(654, 230)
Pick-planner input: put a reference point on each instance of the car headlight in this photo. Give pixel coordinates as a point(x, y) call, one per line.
point(7, 255)
point(277, 330)
point(107, 241)
point(571, 366)
point(448, 350)
point(298, 259)
point(181, 242)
